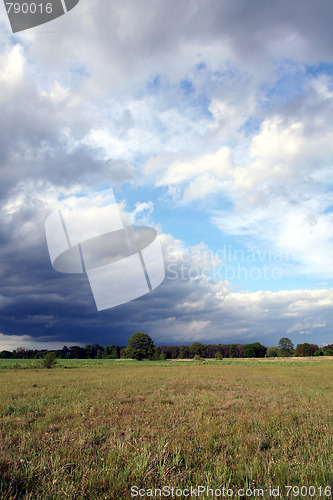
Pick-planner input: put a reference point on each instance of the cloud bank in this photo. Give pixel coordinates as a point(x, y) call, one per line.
point(211, 115)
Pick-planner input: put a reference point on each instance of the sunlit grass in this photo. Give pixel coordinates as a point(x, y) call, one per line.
point(96, 429)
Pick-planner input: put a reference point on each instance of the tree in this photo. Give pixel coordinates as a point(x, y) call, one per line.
point(111, 352)
point(306, 349)
point(126, 353)
point(5, 354)
point(272, 352)
point(20, 353)
point(286, 347)
point(140, 346)
point(183, 352)
point(197, 349)
point(77, 352)
point(94, 351)
point(233, 351)
point(255, 350)
point(157, 353)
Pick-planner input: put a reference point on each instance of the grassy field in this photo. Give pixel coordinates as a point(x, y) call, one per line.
point(94, 429)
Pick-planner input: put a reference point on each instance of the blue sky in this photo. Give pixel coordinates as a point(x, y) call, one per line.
point(212, 122)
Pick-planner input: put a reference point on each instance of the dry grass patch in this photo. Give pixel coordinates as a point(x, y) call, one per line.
point(92, 432)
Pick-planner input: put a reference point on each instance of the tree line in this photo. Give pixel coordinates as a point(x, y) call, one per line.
point(141, 346)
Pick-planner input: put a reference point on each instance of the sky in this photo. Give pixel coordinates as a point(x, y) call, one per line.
point(212, 121)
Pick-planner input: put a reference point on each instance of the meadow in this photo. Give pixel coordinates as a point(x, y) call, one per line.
point(93, 429)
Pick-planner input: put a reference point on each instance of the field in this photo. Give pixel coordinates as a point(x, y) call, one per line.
point(94, 429)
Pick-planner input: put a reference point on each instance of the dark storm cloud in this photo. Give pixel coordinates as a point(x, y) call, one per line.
point(59, 307)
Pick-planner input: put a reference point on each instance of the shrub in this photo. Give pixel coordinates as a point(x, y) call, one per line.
point(49, 360)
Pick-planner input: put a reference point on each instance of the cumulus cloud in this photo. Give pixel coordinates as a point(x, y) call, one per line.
point(279, 195)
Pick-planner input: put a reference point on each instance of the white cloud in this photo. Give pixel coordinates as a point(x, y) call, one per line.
point(12, 63)
point(278, 196)
point(216, 164)
point(57, 94)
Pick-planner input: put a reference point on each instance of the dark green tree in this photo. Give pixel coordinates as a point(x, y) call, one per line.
point(20, 353)
point(111, 352)
point(184, 352)
point(255, 350)
point(126, 353)
point(77, 352)
point(94, 351)
point(5, 354)
point(306, 349)
point(197, 349)
point(286, 347)
point(157, 353)
point(233, 351)
point(272, 352)
point(140, 346)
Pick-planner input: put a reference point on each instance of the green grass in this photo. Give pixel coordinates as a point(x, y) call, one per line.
point(96, 429)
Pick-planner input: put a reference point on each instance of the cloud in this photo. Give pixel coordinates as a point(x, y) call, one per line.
point(222, 105)
point(11, 342)
point(278, 196)
point(189, 306)
point(204, 314)
point(203, 176)
point(120, 44)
